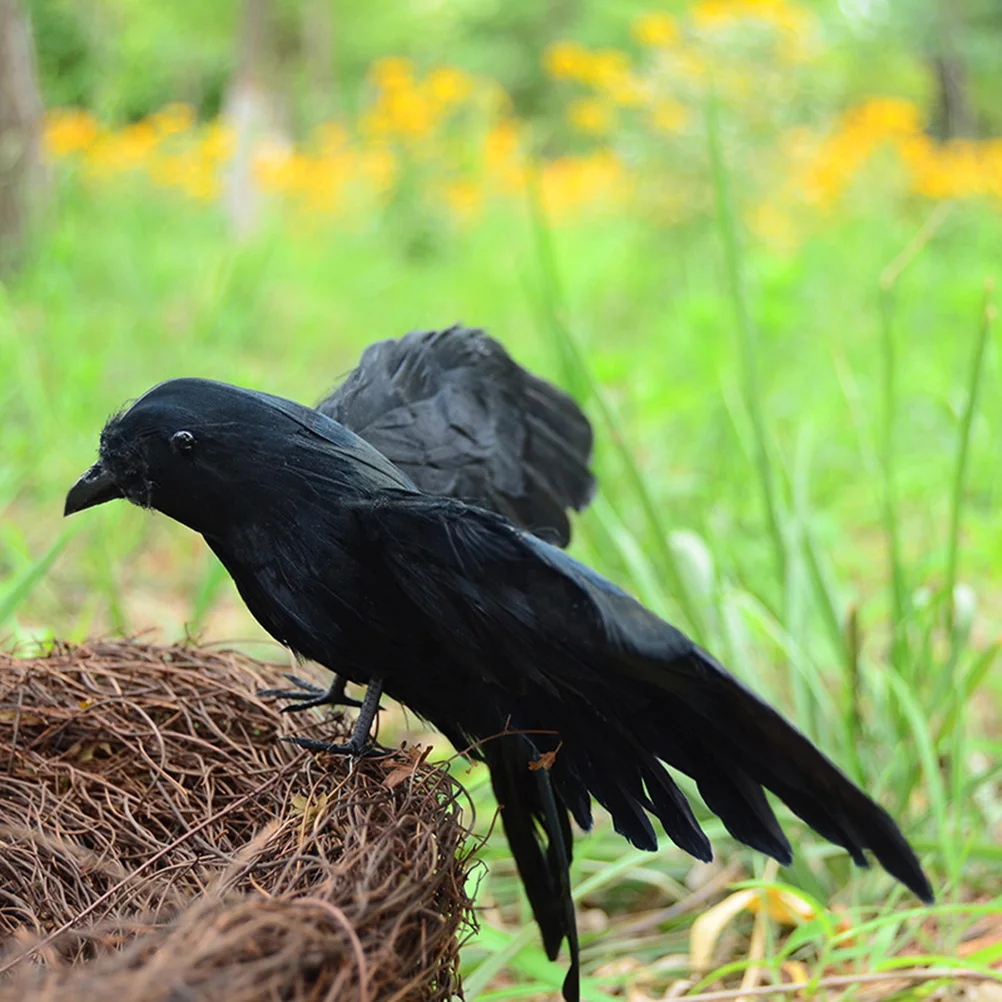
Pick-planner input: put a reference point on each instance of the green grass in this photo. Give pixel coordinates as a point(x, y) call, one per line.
point(797, 462)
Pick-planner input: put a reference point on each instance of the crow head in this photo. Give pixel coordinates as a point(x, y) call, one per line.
point(198, 450)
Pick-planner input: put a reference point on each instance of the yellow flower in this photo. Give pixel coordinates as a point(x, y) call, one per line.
point(69, 131)
point(788, 19)
point(448, 85)
point(121, 151)
point(589, 114)
point(464, 199)
point(218, 142)
point(884, 116)
point(502, 157)
point(566, 60)
point(571, 183)
point(655, 29)
point(608, 68)
point(711, 13)
point(137, 142)
point(409, 113)
point(501, 143)
point(392, 72)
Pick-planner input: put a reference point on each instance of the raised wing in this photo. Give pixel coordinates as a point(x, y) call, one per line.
point(462, 419)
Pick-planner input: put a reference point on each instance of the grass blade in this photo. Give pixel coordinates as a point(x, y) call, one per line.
point(21, 588)
point(963, 449)
point(580, 379)
point(727, 225)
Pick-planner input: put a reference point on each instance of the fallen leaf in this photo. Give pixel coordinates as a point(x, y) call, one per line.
point(399, 775)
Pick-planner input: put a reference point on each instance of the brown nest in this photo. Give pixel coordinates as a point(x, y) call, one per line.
point(158, 843)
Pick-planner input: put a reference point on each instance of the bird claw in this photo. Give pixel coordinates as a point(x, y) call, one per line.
point(308, 695)
point(351, 747)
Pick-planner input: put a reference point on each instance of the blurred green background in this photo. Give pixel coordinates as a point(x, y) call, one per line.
point(756, 238)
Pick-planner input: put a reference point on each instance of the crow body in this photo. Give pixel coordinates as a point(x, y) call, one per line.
point(499, 639)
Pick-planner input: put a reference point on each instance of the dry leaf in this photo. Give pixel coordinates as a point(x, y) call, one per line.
point(796, 972)
point(781, 905)
point(399, 775)
point(307, 807)
point(546, 759)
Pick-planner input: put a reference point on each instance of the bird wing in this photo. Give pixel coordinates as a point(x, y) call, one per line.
point(559, 647)
point(462, 419)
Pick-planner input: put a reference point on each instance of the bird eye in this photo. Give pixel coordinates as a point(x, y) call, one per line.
point(182, 442)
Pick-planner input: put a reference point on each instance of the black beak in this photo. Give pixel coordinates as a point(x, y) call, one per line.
point(96, 486)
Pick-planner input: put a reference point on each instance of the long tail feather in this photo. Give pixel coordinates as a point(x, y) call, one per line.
point(539, 833)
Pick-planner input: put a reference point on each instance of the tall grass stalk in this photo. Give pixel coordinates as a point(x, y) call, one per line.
point(578, 375)
point(988, 314)
point(747, 336)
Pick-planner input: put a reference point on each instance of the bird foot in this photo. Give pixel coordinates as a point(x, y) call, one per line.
point(356, 749)
point(309, 695)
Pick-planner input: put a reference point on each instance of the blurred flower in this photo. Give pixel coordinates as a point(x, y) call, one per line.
point(448, 139)
point(589, 114)
point(567, 60)
point(392, 73)
point(68, 130)
point(570, 183)
point(408, 112)
point(464, 198)
point(655, 29)
point(449, 85)
point(883, 116)
point(218, 142)
point(608, 68)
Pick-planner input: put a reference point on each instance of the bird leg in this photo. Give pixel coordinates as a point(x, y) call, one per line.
point(357, 745)
point(309, 695)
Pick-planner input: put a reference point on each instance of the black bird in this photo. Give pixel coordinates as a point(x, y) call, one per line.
point(500, 640)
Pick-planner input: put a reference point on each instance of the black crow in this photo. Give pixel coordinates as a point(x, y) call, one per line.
point(502, 641)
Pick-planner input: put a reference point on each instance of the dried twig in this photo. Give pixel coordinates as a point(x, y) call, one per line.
point(905, 976)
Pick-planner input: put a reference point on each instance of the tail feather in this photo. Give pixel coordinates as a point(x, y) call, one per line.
point(771, 752)
point(530, 813)
point(629, 782)
point(726, 789)
point(660, 689)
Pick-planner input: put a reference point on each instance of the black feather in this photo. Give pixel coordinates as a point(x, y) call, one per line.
point(463, 420)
